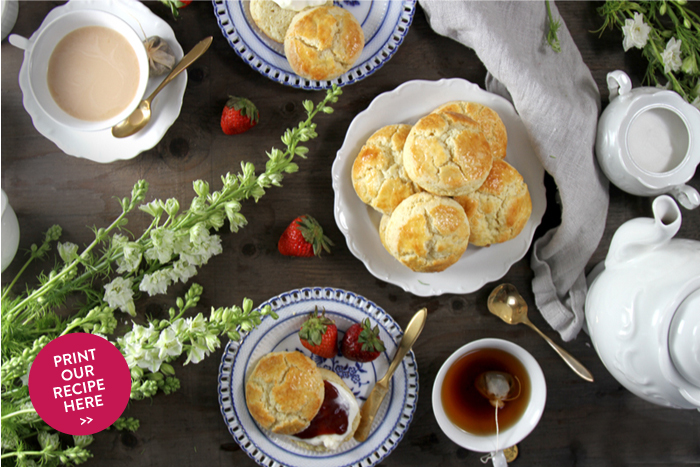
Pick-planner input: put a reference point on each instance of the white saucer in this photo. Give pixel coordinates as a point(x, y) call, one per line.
point(101, 146)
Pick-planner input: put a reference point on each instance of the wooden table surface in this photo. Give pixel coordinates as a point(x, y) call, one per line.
point(584, 424)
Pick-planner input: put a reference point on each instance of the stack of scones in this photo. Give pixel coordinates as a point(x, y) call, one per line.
point(321, 41)
point(442, 184)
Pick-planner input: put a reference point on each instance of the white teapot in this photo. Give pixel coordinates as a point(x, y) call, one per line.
point(648, 141)
point(643, 309)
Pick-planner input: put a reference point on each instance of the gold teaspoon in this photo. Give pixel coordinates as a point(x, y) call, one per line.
point(140, 117)
point(506, 303)
point(376, 396)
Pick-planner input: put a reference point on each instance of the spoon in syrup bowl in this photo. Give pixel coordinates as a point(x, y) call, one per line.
point(140, 117)
point(506, 302)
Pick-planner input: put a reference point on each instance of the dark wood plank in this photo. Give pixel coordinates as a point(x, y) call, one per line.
point(584, 424)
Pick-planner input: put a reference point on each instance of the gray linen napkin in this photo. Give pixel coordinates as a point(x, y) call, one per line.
point(558, 101)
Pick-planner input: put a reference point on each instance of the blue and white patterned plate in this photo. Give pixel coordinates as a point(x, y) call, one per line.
point(384, 23)
point(345, 308)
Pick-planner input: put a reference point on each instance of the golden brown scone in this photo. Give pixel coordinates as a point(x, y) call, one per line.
point(272, 19)
point(500, 208)
point(488, 120)
point(446, 154)
point(427, 233)
point(382, 229)
point(378, 175)
point(284, 392)
point(324, 42)
point(333, 378)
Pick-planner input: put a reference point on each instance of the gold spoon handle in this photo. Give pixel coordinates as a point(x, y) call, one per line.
point(413, 330)
point(574, 364)
point(186, 61)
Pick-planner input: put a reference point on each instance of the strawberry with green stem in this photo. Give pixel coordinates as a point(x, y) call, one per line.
point(319, 334)
point(239, 115)
point(361, 342)
point(304, 237)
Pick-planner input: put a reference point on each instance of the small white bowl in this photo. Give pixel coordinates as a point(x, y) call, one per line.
point(514, 434)
point(40, 46)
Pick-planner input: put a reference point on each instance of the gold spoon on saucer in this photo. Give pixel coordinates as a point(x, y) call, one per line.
point(140, 117)
point(506, 303)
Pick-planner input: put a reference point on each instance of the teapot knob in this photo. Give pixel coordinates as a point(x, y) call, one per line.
point(618, 83)
point(684, 345)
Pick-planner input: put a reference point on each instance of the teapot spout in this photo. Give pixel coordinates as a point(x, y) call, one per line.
point(639, 236)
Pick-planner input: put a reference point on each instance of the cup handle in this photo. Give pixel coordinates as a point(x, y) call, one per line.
point(18, 41)
point(498, 459)
point(687, 196)
point(618, 84)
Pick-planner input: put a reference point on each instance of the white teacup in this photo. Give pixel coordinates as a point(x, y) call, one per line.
point(40, 46)
point(509, 437)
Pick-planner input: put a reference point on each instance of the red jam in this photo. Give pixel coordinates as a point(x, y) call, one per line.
point(331, 419)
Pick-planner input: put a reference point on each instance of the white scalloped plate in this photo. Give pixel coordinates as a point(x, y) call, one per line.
point(345, 308)
point(101, 146)
point(384, 23)
point(360, 223)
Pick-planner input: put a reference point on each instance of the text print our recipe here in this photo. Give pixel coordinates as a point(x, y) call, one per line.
point(82, 386)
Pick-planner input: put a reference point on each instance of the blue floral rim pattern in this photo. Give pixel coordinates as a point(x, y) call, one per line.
point(385, 24)
point(393, 418)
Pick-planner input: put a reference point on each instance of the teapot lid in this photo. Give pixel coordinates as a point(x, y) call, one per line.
point(684, 338)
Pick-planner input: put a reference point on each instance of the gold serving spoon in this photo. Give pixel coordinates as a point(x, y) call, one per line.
point(376, 396)
point(506, 303)
point(140, 117)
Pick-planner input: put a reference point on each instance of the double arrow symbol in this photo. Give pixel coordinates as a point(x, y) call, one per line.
point(85, 420)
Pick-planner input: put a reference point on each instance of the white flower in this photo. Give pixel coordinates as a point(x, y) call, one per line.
point(168, 344)
point(197, 352)
point(182, 271)
point(118, 294)
point(156, 283)
point(131, 258)
point(671, 56)
point(67, 251)
point(197, 325)
point(163, 241)
point(179, 326)
point(635, 32)
point(150, 360)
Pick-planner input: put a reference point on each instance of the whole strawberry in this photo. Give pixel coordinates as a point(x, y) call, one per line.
point(304, 237)
point(320, 335)
point(361, 343)
point(239, 115)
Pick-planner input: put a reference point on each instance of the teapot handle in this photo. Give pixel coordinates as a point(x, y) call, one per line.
point(618, 83)
point(687, 196)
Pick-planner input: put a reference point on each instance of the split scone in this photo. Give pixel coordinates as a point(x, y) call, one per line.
point(447, 154)
point(378, 175)
point(323, 42)
point(288, 394)
point(488, 120)
point(426, 232)
point(284, 392)
point(500, 208)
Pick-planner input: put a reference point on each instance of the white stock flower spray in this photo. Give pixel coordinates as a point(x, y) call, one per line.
point(110, 274)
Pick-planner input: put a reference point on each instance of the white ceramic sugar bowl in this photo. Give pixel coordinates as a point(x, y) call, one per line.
point(648, 141)
point(643, 309)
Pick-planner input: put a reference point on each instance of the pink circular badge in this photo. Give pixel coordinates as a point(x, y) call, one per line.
point(79, 384)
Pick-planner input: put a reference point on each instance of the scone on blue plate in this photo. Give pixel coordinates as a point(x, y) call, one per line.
point(289, 395)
